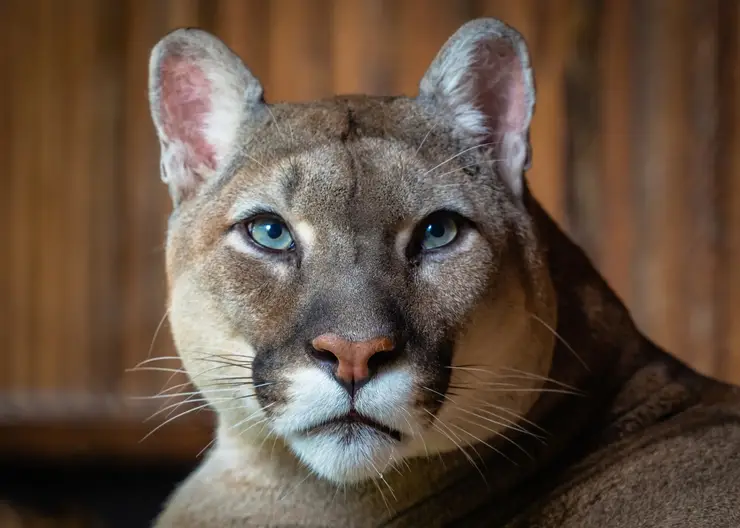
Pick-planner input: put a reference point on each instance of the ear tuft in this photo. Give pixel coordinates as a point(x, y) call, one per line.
point(482, 80)
point(199, 93)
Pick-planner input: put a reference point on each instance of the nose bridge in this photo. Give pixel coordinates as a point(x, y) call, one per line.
point(356, 306)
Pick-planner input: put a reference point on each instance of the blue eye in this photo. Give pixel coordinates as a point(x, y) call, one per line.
point(439, 232)
point(271, 233)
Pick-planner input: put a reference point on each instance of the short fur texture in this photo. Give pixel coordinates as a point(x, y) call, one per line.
point(518, 391)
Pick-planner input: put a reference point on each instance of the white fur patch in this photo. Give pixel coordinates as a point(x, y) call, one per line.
point(313, 397)
point(305, 233)
point(388, 398)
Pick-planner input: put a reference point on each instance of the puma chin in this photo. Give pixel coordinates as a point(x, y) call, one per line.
point(355, 277)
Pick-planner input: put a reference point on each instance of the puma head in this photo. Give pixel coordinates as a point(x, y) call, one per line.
point(357, 276)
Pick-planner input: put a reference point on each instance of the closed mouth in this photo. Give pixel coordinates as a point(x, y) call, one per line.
point(354, 419)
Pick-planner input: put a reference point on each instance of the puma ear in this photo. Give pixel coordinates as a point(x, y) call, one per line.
point(481, 79)
point(199, 94)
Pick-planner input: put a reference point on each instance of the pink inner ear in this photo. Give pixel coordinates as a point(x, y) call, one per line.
point(501, 87)
point(185, 105)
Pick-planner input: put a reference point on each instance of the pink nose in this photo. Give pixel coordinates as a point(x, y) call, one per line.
point(352, 357)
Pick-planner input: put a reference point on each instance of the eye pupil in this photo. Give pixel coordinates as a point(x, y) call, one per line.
point(436, 230)
point(274, 231)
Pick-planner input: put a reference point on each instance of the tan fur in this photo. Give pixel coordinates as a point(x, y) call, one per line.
point(550, 401)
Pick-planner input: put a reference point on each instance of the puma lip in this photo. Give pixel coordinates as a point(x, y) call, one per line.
point(349, 422)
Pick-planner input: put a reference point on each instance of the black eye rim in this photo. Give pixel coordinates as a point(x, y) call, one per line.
point(247, 224)
point(415, 248)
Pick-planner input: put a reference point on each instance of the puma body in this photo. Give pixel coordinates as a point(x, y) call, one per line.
point(391, 329)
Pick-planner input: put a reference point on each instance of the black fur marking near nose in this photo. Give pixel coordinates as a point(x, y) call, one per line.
point(438, 373)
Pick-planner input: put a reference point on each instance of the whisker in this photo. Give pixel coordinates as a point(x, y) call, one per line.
point(157, 369)
point(156, 332)
point(157, 428)
point(513, 425)
point(423, 140)
point(162, 396)
point(255, 424)
point(559, 338)
point(414, 432)
point(382, 496)
point(497, 451)
point(499, 434)
point(382, 478)
point(519, 374)
point(176, 405)
point(293, 489)
point(274, 120)
point(507, 410)
point(458, 155)
point(509, 425)
point(158, 358)
point(454, 184)
point(555, 391)
point(209, 444)
point(543, 378)
point(434, 423)
point(255, 413)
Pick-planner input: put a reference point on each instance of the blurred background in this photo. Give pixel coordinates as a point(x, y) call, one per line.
point(636, 154)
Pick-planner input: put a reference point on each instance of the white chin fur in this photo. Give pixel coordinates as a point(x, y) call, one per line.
point(345, 454)
point(360, 455)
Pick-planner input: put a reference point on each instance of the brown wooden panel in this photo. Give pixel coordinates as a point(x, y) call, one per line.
point(102, 103)
point(661, 171)
point(617, 251)
point(702, 237)
point(584, 195)
point(729, 166)
point(80, 60)
point(6, 150)
point(244, 26)
point(300, 50)
point(24, 165)
point(362, 47)
point(423, 27)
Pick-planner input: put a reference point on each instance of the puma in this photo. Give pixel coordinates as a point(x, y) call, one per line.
point(391, 329)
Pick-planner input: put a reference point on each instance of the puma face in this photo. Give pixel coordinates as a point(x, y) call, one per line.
point(357, 276)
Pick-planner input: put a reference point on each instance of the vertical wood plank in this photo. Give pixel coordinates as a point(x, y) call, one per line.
point(244, 26)
point(659, 138)
point(180, 14)
point(76, 316)
point(300, 50)
point(105, 97)
point(547, 177)
point(702, 237)
point(50, 236)
point(423, 27)
point(729, 171)
point(6, 149)
point(363, 50)
point(25, 113)
point(582, 105)
point(618, 205)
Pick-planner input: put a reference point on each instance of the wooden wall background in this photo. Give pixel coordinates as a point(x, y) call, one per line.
point(636, 152)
